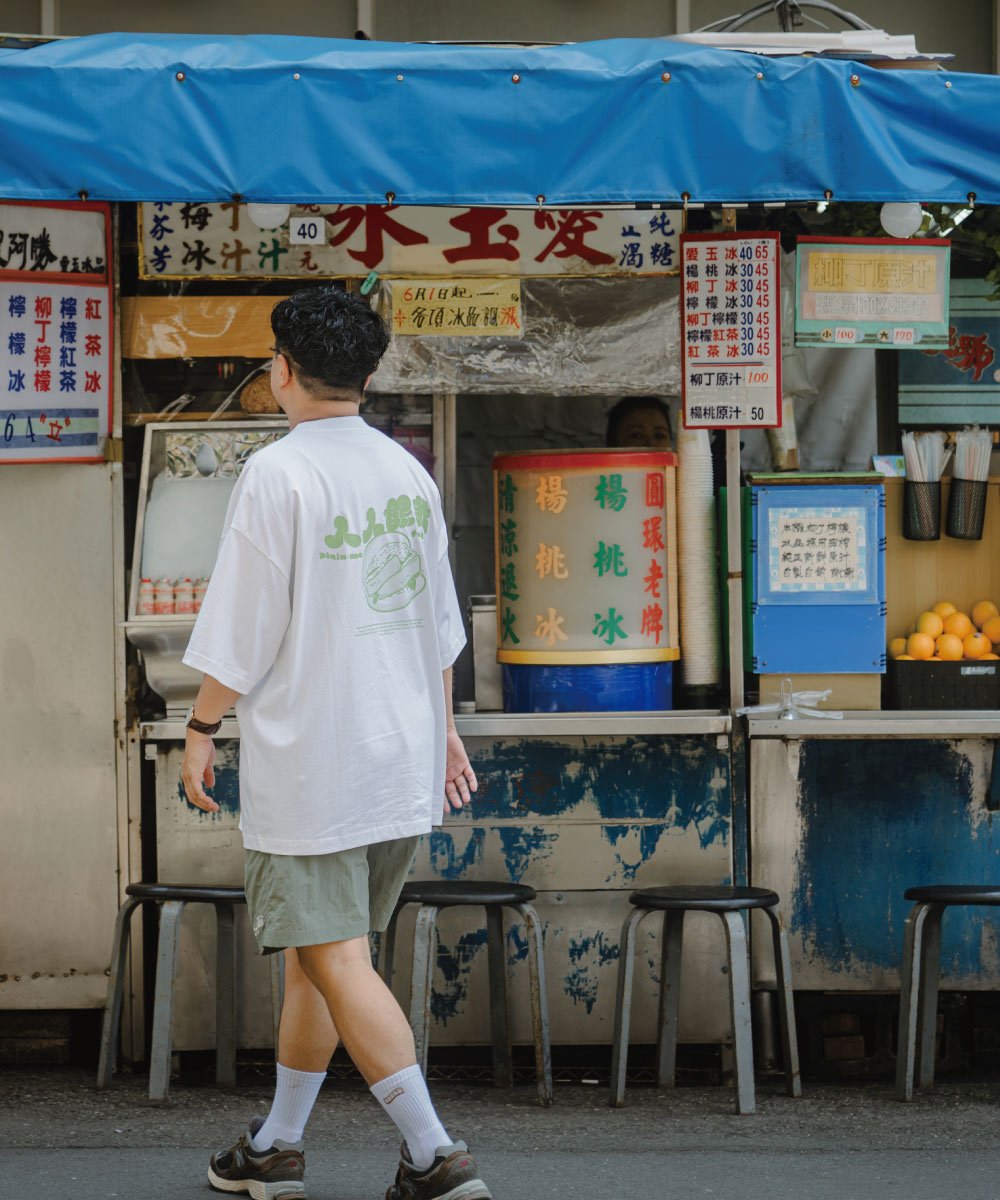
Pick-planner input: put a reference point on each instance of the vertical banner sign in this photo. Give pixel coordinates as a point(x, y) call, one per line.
point(730, 306)
point(55, 332)
point(586, 557)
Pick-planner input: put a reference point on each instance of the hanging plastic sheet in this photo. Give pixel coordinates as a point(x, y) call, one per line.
point(584, 337)
point(313, 120)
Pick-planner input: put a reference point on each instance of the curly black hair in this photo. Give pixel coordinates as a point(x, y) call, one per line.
point(332, 339)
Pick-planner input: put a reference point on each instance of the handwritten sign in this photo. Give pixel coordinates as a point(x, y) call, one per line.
point(872, 292)
point(586, 553)
point(457, 308)
point(817, 550)
point(53, 240)
point(56, 340)
point(215, 241)
point(730, 330)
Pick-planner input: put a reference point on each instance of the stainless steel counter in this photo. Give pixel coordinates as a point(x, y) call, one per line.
point(681, 722)
point(911, 724)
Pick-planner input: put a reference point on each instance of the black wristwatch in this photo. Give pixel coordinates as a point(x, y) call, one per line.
point(192, 722)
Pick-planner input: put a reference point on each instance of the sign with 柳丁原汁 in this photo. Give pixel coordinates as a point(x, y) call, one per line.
point(347, 241)
point(457, 308)
point(55, 334)
point(878, 292)
point(730, 314)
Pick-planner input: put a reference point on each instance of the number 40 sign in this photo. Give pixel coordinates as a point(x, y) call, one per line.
point(730, 305)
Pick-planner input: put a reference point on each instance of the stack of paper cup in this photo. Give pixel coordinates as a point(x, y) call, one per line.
point(696, 541)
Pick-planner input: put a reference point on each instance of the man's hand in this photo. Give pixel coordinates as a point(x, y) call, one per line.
point(198, 770)
point(459, 777)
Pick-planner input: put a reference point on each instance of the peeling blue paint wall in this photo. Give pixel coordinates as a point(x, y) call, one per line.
point(877, 818)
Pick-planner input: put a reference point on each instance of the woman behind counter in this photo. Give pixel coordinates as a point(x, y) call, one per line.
point(639, 421)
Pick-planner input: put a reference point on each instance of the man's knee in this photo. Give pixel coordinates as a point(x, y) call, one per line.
point(318, 961)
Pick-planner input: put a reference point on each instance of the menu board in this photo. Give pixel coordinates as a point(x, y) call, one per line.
point(345, 241)
point(56, 330)
point(730, 311)
point(586, 557)
point(876, 292)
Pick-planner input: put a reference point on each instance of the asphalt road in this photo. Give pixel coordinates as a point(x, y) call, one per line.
point(60, 1138)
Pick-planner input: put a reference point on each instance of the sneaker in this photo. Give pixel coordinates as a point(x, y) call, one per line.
point(275, 1174)
point(453, 1175)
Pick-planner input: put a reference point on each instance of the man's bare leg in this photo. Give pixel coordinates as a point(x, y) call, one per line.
point(377, 1036)
point(307, 1039)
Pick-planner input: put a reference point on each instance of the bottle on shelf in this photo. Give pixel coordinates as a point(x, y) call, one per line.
point(200, 588)
point(184, 596)
point(146, 604)
point(163, 598)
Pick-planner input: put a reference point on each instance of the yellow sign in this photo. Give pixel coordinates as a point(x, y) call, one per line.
point(457, 308)
point(874, 272)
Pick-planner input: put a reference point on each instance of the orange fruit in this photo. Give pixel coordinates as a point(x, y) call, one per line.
point(919, 645)
point(944, 608)
point(958, 624)
point(897, 647)
point(904, 658)
point(983, 611)
point(931, 624)
point(993, 656)
point(950, 647)
point(976, 645)
point(992, 629)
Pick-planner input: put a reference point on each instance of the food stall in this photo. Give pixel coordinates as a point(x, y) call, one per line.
point(582, 805)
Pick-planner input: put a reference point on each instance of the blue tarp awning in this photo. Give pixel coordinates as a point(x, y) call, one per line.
point(169, 117)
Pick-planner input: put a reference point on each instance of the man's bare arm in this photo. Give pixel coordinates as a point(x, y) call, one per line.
point(459, 778)
point(198, 768)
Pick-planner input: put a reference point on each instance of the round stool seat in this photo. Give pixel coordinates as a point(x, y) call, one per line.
point(192, 893)
point(445, 892)
point(703, 898)
point(955, 894)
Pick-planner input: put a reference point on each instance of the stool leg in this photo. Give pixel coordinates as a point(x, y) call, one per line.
point(623, 1007)
point(909, 1001)
point(277, 995)
point(739, 1006)
point(670, 988)
point(503, 1067)
point(786, 1003)
point(225, 996)
point(539, 1005)
point(387, 949)
point(163, 999)
point(116, 990)
point(424, 947)
point(930, 974)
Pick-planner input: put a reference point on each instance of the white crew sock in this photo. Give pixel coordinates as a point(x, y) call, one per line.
point(404, 1097)
point(294, 1098)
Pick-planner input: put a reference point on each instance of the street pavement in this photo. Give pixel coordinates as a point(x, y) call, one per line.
point(61, 1138)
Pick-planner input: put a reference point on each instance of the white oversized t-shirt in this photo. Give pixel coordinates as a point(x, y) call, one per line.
point(332, 609)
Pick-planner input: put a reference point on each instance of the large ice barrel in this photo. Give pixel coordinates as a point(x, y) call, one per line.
point(586, 565)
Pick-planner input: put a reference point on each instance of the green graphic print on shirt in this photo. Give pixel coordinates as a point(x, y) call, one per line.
point(392, 569)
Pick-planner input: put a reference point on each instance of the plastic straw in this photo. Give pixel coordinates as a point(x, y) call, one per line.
point(925, 456)
point(973, 448)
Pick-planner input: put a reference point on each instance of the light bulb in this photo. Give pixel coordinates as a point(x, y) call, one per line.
point(901, 220)
point(269, 216)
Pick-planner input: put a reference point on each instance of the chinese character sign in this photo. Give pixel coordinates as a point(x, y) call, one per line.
point(872, 292)
point(586, 557)
point(55, 362)
point(730, 306)
point(817, 550)
point(220, 240)
point(68, 239)
point(457, 308)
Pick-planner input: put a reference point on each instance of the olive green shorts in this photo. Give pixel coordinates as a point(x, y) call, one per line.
point(309, 900)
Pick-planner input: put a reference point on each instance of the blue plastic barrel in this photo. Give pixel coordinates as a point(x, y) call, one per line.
point(617, 687)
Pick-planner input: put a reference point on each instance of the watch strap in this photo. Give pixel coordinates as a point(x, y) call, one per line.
point(192, 722)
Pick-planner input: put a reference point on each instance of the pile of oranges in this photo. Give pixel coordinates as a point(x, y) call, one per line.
point(943, 634)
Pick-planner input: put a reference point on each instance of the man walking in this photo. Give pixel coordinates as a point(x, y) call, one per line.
point(331, 622)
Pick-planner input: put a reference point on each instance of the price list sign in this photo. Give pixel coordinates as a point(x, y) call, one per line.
point(730, 304)
point(55, 334)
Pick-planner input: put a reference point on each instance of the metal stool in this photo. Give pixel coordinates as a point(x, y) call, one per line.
point(172, 900)
point(730, 903)
point(494, 897)
point(918, 990)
